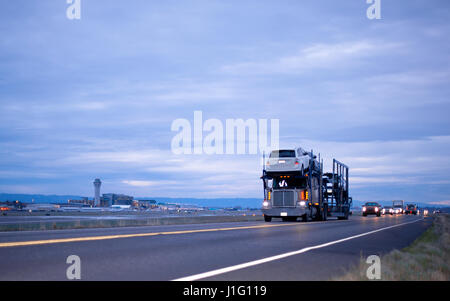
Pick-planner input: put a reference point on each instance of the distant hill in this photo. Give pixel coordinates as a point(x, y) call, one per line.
point(218, 202)
point(202, 202)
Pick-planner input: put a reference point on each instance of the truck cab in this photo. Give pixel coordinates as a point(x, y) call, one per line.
point(289, 196)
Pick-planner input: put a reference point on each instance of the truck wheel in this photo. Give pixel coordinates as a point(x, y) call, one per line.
point(318, 216)
point(325, 213)
point(267, 219)
point(346, 215)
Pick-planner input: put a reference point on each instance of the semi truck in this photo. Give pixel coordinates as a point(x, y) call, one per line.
point(293, 191)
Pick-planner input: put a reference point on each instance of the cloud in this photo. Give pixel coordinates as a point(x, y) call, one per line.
point(421, 161)
point(316, 56)
point(147, 183)
point(441, 203)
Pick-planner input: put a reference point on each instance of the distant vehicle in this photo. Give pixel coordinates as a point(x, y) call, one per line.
point(387, 210)
point(398, 206)
point(411, 209)
point(120, 207)
point(291, 160)
point(371, 208)
point(437, 211)
point(425, 212)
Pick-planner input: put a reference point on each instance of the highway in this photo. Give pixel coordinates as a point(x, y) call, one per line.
point(222, 251)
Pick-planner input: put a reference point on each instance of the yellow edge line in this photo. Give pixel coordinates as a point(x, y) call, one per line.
point(93, 238)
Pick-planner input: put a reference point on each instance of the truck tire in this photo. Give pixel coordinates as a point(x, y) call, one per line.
point(267, 219)
point(346, 216)
point(318, 216)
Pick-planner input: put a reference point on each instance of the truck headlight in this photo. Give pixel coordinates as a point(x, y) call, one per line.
point(364, 209)
point(302, 203)
point(265, 204)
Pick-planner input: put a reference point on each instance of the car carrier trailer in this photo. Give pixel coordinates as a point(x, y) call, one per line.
point(399, 205)
point(293, 194)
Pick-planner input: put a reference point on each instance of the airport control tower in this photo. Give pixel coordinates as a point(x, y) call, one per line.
point(97, 184)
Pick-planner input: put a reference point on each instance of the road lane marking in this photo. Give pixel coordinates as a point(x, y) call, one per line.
point(94, 238)
point(280, 256)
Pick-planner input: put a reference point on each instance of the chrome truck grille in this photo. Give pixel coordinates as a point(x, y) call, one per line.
point(283, 198)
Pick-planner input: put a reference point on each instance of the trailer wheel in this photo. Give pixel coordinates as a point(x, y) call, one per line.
point(325, 213)
point(346, 214)
point(267, 219)
point(318, 216)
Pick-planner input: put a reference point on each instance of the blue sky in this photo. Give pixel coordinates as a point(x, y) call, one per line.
point(96, 97)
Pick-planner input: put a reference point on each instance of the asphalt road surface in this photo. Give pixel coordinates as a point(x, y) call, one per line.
point(225, 251)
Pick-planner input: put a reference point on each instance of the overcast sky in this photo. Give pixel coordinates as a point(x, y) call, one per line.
point(96, 97)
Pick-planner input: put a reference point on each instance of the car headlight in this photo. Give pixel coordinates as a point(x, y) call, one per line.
point(364, 209)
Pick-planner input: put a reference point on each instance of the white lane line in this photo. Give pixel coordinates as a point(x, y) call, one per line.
point(277, 257)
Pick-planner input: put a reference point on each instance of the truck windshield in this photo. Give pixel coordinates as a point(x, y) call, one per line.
point(291, 182)
point(283, 154)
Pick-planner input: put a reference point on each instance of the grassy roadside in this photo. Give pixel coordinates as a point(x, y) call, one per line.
point(108, 223)
point(427, 258)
